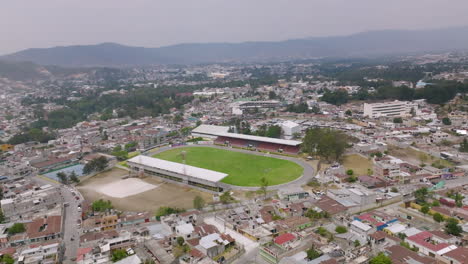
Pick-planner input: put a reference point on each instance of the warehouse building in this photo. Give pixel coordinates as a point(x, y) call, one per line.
point(178, 173)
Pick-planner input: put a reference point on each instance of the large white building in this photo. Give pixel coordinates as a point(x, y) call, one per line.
point(177, 173)
point(390, 109)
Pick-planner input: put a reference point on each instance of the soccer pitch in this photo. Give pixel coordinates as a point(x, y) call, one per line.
point(243, 169)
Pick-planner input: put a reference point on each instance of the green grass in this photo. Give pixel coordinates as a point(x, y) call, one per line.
point(243, 169)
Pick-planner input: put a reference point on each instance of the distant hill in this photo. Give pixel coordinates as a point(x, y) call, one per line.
point(22, 71)
point(371, 43)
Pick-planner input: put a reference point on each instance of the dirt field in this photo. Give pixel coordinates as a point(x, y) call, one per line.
point(357, 163)
point(166, 194)
point(416, 157)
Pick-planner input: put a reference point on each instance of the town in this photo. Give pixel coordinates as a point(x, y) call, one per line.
point(300, 162)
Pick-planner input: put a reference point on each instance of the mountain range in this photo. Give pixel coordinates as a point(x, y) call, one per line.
point(372, 43)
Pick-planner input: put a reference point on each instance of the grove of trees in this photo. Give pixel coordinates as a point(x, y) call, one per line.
point(326, 143)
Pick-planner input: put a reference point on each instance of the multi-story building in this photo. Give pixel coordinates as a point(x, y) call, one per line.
point(389, 109)
point(385, 169)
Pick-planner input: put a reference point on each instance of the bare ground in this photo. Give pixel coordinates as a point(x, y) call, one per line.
point(166, 194)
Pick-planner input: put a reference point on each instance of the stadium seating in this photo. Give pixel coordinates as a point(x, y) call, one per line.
point(265, 146)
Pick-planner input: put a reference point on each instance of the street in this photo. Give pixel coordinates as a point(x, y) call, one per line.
point(70, 217)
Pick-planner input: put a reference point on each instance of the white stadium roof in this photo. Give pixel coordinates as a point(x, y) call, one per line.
point(221, 131)
point(210, 129)
point(179, 168)
point(262, 139)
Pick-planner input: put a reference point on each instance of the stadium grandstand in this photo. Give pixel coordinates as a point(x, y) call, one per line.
point(247, 141)
point(177, 173)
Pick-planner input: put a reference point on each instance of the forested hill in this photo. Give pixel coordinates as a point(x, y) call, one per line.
point(368, 43)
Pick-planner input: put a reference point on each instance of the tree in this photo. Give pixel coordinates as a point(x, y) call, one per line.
point(421, 195)
point(357, 243)
point(164, 210)
point(2, 216)
point(452, 227)
point(63, 178)
point(350, 172)
point(7, 259)
point(438, 217)
point(446, 121)
point(425, 209)
point(226, 198)
point(312, 254)
point(394, 190)
point(74, 177)
point(397, 120)
point(16, 228)
point(327, 143)
point(348, 113)
point(464, 146)
point(198, 202)
point(118, 254)
point(264, 185)
point(96, 164)
point(381, 258)
point(341, 229)
point(180, 241)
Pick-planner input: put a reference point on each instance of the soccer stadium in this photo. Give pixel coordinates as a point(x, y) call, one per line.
point(216, 169)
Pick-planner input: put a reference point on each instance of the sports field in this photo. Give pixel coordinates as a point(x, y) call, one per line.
point(243, 169)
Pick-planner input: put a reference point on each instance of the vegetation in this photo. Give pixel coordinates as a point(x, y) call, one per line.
point(464, 146)
point(7, 259)
point(357, 243)
point(226, 198)
point(137, 102)
point(397, 120)
point(96, 165)
point(407, 245)
point(119, 254)
point(452, 227)
point(381, 258)
point(312, 254)
point(243, 169)
point(263, 185)
point(198, 202)
point(101, 205)
point(268, 131)
point(63, 178)
point(425, 209)
point(314, 215)
point(421, 195)
point(325, 233)
point(327, 143)
point(298, 108)
point(16, 228)
point(438, 217)
point(120, 153)
point(33, 134)
point(341, 229)
point(164, 210)
point(446, 121)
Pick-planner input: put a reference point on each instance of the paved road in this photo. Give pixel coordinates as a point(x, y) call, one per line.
point(307, 175)
point(70, 217)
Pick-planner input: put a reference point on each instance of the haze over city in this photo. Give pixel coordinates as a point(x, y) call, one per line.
point(48, 23)
point(234, 132)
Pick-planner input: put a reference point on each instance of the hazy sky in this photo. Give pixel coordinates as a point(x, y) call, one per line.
point(152, 23)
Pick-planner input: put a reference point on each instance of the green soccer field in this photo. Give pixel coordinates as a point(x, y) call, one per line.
point(243, 169)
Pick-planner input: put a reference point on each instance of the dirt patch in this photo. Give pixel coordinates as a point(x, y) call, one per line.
point(166, 194)
point(359, 164)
